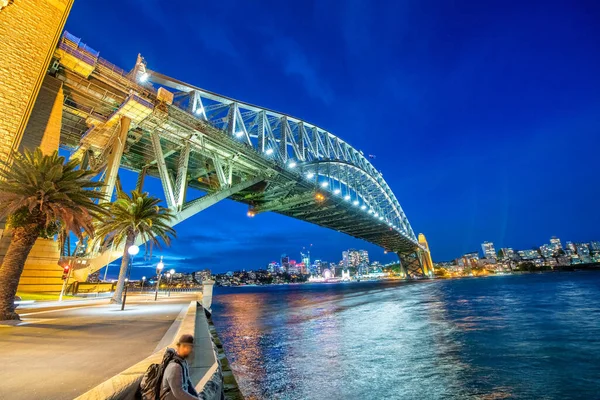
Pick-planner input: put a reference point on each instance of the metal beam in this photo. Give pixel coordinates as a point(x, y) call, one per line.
point(181, 180)
point(195, 206)
point(114, 159)
point(165, 178)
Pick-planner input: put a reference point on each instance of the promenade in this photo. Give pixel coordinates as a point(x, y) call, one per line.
point(61, 351)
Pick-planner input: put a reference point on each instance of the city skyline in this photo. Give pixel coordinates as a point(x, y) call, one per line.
point(523, 140)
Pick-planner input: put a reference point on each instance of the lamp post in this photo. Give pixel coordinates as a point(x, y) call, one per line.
point(143, 281)
point(159, 268)
point(171, 273)
point(132, 250)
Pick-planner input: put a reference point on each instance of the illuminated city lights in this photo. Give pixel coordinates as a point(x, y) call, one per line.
point(347, 197)
point(269, 152)
point(310, 175)
point(292, 164)
point(324, 184)
point(239, 134)
point(337, 191)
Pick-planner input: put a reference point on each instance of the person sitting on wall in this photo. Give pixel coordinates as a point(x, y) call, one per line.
point(176, 382)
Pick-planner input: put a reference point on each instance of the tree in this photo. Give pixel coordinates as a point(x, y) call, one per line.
point(130, 218)
point(41, 194)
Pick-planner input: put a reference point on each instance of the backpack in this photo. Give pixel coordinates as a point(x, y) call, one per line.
point(152, 380)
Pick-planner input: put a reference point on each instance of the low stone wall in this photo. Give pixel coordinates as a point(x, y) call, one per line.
point(204, 368)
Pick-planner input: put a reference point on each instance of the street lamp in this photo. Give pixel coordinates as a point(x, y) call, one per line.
point(143, 281)
point(133, 250)
point(159, 268)
point(171, 273)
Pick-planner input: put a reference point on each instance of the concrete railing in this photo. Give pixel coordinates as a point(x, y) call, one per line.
point(204, 367)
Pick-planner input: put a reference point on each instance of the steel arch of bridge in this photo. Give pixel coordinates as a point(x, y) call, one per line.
point(189, 137)
point(320, 158)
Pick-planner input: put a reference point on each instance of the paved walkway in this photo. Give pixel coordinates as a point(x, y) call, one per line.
point(59, 352)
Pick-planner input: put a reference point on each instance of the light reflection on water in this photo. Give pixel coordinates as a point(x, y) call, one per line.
point(524, 337)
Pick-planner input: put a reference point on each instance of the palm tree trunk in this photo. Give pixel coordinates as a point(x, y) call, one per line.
point(117, 297)
point(23, 239)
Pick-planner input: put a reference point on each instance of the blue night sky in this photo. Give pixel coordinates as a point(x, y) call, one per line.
point(484, 116)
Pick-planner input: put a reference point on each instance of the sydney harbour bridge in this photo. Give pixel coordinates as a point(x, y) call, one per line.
point(188, 137)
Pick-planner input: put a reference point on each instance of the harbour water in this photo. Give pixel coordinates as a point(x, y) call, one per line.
point(534, 336)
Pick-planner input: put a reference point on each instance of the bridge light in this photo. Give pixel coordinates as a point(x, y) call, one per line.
point(199, 110)
point(292, 164)
point(324, 184)
point(319, 197)
point(144, 77)
point(347, 197)
point(355, 202)
point(363, 207)
point(269, 152)
point(251, 213)
point(310, 175)
point(239, 134)
point(381, 218)
point(376, 215)
point(371, 211)
point(337, 191)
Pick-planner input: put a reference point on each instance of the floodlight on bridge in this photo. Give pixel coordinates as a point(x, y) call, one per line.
point(376, 214)
point(337, 191)
point(199, 110)
point(381, 218)
point(310, 175)
point(324, 184)
point(144, 77)
point(347, 197)
point(363, 207)
point(239, 134)
point(355, 202)
point(269, 151)
point(292, 164)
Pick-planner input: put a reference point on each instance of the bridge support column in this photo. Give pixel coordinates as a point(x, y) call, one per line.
point(114, 158)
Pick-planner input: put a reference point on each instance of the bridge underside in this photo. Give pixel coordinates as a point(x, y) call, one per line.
point(111, 121)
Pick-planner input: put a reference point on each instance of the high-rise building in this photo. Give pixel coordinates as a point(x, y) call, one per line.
point(353, 258)
point(595, 247)
point(488, 250)
point(345, 259)
point(555, 244)
point(363, 257)
point(285, 262)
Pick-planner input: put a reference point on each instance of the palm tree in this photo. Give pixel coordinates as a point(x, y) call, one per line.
point(41, 194)
point(133, 217)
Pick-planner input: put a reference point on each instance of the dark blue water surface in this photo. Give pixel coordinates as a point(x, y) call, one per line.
point(531, 336)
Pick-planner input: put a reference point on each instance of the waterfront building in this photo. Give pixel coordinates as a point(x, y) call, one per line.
point(530, 254)
point(273, 267)
point(508, 253)
point(555, 244)
point(595, 246)
point(570, 248)
point(583, 251)
point(547, 251)
point(488, 250)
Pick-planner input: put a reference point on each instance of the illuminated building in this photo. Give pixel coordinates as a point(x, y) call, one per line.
point(555, 244)
point(547, 251)
point(344, 259)
point(508, 253)
point(529, 254)
point(488, 250)
point(285, 261)
point(363, 257)
point(570, 248)
point(595, 247)
point(583, 251)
